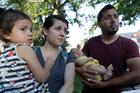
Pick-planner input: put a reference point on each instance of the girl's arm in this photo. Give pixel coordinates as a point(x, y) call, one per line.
point(69, 79)
point(26, 53)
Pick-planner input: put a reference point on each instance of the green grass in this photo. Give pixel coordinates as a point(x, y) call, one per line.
point(78, 85)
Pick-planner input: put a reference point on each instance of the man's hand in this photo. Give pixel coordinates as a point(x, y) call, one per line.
point(85, 73)
point(94, 83)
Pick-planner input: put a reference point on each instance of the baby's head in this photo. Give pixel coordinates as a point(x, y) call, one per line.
point(81, 60)
point(77, 53)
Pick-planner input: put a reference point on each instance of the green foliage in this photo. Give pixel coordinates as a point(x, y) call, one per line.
point(38, 10)
point(38, 38)
point(78, 84)
point(129, 9)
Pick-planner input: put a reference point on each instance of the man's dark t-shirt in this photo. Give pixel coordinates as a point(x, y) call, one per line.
point(115, 53)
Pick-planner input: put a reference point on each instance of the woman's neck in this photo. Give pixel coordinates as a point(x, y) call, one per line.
point(50, 48)
point(50, 51)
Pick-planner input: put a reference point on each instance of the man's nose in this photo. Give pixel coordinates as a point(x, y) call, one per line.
point(113, 19)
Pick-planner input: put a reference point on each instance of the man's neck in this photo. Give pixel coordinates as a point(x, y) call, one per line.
point(109, 39)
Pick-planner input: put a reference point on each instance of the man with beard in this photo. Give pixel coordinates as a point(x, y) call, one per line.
point(111, 49)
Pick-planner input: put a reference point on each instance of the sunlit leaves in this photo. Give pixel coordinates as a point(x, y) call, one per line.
point(38, 9)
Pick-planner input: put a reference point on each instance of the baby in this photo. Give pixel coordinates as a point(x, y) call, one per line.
point(92, 64)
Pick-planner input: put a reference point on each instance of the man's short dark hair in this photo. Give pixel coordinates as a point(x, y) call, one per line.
point(107, 7)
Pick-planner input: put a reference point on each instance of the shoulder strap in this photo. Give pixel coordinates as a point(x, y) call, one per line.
point(35, 49)
point(39, 55)
point(64, 54)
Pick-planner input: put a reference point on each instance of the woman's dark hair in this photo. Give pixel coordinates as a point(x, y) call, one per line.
point(10, 17)
point(105, 8)
point(49, 21)
point(2, 10)
point(2, 13)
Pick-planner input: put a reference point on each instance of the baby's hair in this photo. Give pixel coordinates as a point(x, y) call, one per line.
point(10, 17)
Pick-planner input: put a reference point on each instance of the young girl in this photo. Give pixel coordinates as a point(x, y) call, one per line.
point(61, 79)
point(19, 66)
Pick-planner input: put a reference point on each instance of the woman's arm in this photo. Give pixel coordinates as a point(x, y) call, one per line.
point(69, 79)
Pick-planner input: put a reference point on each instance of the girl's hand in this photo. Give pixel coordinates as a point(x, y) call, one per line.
point(49, 62)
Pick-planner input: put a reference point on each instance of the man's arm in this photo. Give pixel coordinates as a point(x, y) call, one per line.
point(130, 78)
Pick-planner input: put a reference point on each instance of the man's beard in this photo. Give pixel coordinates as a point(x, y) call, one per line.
point(110, 33)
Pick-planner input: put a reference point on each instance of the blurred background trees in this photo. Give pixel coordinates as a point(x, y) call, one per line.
point(39, 9)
